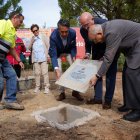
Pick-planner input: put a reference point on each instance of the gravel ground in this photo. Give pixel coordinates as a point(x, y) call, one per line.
point(20, 125)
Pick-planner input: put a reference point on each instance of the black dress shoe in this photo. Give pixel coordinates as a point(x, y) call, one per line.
point(123, 109)
point(107, 105)
point(77, 95)
point(94, 101)
point(61, 97)
point(132, 116)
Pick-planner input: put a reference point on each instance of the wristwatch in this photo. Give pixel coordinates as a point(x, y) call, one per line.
point(97, 76)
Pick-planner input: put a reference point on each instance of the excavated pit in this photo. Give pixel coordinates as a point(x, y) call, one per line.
point(65, 116)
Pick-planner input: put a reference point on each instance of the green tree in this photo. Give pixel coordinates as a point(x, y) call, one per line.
point(7, 6)
point(111, 9)
point(116, 9)
point(71, 9)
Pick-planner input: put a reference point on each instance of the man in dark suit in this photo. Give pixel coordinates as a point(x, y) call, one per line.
point(86, 20)
point(124, 36)
point(63, 44)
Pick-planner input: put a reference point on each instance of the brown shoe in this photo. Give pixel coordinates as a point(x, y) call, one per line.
point(106, 105)
point(77, 95)
point(61, 97)
point(94, 101)
point(13, 105)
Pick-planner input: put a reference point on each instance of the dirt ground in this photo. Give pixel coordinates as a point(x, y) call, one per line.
point(20, 125)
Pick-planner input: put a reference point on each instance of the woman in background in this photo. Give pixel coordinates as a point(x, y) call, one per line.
point(20, 48)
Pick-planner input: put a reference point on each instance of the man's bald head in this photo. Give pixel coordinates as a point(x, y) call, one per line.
point(86, 16)
point(86, 20)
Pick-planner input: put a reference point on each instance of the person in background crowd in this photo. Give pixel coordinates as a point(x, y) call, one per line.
point(20, 48)
point(39, 45)
point(7, 44)
point(86, 20)
point(63, 43)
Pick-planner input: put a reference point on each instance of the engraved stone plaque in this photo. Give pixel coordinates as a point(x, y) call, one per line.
point(78, 75)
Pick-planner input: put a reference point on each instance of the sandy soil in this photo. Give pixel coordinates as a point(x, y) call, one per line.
point(20, 125)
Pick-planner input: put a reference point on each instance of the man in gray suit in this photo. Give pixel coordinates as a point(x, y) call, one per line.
point(124, 36)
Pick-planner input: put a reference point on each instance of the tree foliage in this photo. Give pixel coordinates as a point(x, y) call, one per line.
point(7, 6)
point(111, 9)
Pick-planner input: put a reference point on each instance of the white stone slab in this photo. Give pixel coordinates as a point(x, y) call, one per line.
point(78, 75)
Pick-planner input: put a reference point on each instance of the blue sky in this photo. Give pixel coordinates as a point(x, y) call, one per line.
point(40, 11)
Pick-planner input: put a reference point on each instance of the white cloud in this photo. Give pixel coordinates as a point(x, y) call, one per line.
point(41, 11)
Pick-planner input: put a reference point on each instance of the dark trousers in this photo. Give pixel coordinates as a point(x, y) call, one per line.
point(17, 69)
point(123, 83)
point(97, 53)
point(110, 84)
point(111, 81)
point(132, 88)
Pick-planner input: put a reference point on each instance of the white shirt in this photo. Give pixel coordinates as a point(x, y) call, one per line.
point(38, 50)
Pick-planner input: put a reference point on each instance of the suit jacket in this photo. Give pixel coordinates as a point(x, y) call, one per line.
point(96, 49)
point(123, 36)
point(57, 48)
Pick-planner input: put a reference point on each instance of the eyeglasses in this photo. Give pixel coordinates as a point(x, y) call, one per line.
point(21, 21)
point(34, 31)
point(85, 26)
point(19, 15)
